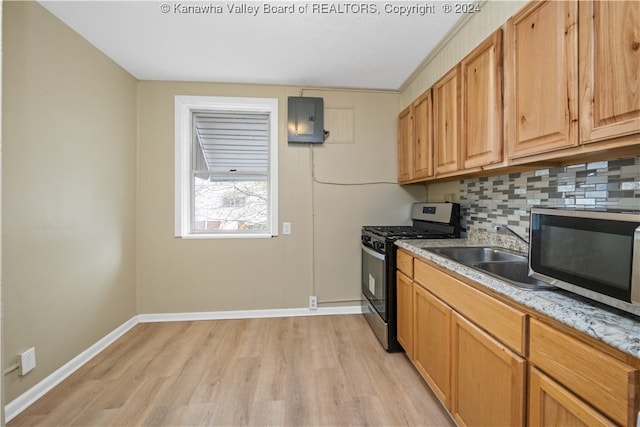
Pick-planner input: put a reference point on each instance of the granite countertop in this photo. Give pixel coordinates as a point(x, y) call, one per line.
point(609, 325)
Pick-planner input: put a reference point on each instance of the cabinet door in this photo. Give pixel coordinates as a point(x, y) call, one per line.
point(446, 122)
point(405, 142)
point(607, 384)
point(609, 61)
point(481, 75)
point(488, 379)
point(550, 404)
point(423, 136)
point(404, 313)
point(541, 80)
point(432, 342)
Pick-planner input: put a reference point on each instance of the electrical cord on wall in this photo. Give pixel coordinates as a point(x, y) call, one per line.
point(315, 180)
point(12, 368)
point(318, 181)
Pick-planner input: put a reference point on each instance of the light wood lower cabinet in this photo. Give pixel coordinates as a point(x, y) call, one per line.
point(503, 322)
point(474, 374)
point(550, 404)
point(488, 379)
point(475, 350)
point(404, 263)
point(607, 384)
point(432, 342)
point(404, 301)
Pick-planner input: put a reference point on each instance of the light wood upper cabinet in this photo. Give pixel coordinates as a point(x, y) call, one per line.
point(423, 136)
point(541, 80)
point(446, 123)
point(405, 141)
point(609, 34)
point(560, 83)
point(482, 112)
point(488, 379)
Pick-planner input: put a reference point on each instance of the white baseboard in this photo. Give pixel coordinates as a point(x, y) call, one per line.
point(22, 402)
point(247, 314)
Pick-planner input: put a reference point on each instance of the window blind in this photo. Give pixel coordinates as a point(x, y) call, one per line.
point(231, 144)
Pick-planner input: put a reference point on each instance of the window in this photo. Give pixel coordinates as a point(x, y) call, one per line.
point(226, 167)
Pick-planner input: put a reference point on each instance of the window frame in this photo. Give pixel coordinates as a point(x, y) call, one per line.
point(184, 108)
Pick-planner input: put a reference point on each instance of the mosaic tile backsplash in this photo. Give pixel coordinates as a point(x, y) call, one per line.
point(508, 199)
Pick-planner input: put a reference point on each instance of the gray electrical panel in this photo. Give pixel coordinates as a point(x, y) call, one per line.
point(306, 120)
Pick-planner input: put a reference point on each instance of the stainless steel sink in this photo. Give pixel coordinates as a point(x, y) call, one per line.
point(512, 267)
point(513, 272)
point(471, 255)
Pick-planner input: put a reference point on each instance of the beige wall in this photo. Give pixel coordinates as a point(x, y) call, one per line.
point(320, 257)
point(460, 42)
point(68, 195)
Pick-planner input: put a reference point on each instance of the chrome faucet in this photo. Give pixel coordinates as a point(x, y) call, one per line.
point(506, 228)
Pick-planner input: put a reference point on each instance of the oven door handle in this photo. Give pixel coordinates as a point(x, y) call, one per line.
point(373, 253)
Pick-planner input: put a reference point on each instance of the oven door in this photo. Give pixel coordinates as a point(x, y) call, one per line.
point(374, 280)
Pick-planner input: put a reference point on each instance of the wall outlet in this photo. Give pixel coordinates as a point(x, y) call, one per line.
point(286, 228)
point(27, 361)
point(313, 302)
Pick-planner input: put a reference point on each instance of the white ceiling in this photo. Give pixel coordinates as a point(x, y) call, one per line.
point(344, 50)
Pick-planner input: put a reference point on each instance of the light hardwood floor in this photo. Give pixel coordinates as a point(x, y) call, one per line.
point(297, 371)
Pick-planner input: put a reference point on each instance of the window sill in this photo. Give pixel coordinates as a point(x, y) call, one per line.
point(226, 236)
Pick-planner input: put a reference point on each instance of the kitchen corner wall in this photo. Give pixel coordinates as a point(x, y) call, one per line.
point(508, 199)
point(87, 200)
point(327, 192)
point(68, 193)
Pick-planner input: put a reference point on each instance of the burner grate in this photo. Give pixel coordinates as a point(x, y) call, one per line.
point(405, 232)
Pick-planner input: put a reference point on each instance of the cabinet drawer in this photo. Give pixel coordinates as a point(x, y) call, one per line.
point(503, 322)
point(604, 382)
point(404, 263)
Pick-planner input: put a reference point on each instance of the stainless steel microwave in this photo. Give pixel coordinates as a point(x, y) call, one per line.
point(593, 254)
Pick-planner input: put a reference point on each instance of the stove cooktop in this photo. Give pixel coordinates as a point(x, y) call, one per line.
point(395, 232)
point(430, 221)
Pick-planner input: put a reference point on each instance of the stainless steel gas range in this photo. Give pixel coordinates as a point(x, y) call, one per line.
point(430, 221)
